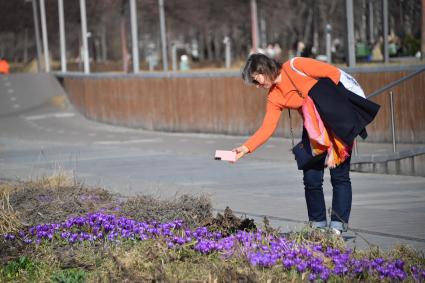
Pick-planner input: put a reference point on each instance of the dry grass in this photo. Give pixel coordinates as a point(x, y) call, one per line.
point(61, 179)
point(152, 261)
point(53, 199)
point(192, 209)
point(11, 217)
point(317, 237)
point(9, 220)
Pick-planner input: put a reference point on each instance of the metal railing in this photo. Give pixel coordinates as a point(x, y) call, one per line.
point(397, 82)
point(391, 102)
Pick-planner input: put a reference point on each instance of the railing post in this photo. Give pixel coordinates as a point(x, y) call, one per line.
point(392, 120)
point(356, 150)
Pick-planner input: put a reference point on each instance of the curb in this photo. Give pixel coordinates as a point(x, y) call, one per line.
point(407, 162)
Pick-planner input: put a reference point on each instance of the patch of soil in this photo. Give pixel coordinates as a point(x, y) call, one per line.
point(232, 274)
point(228, 223)
point(12, 250)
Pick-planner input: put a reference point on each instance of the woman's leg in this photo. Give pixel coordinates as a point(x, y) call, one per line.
point(313, 186)
point(342, 196)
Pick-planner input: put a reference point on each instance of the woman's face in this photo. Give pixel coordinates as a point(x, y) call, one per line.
point(260, 80)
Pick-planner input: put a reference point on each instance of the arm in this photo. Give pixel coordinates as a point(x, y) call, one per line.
point(315, 69)
point(269, 125)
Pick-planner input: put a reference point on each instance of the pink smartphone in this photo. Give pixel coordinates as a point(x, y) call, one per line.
point(225, 155)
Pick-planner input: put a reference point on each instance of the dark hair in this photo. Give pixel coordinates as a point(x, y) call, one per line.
point(258, 63)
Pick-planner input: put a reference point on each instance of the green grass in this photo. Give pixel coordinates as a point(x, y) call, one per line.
point(73, 275)
point(21, 266)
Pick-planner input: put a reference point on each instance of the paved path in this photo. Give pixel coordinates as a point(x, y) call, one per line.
point(38, 139)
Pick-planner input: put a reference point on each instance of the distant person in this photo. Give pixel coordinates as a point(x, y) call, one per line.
point(274, 51)
point(300, 46)
point(277, 51)
point(308, 51)
point(338, 50)
point(332, 118)
point(376, 51)
point(270, 51)
point(184, 63)
point(258, 50)
point(4, 67)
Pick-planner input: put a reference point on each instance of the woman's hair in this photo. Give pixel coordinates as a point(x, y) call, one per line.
point(260, 64)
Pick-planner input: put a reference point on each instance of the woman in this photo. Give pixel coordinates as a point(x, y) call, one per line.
point(334, 112)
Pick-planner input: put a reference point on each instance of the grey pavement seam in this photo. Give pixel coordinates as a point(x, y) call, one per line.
point(305, 222)
point(373, 158)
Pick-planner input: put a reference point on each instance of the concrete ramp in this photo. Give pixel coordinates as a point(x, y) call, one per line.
point(409, 162)
point(23, 92)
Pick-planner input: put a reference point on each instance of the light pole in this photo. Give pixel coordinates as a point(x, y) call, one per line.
point(84, 36)
point(62, 36)
point(254, 25)
point(163, 35)
point(328, 43)
point(134, 38)
point(370, 22)
point(44, 34)
point(228, 56)
point(37, 32)
point(350, 34)
point(385, 29)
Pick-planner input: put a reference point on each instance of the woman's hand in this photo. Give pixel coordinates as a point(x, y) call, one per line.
point(240, 151)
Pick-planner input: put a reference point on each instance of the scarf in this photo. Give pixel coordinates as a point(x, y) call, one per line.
point(322, 139)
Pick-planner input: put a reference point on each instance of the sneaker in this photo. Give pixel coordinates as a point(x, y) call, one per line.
point(321, 229)
point(341, 227)
point(321, 225)
point(335, 231)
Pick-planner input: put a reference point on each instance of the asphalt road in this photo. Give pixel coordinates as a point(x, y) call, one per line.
point(38, 137)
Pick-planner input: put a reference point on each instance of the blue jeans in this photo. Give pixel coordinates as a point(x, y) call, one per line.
point(341, 195)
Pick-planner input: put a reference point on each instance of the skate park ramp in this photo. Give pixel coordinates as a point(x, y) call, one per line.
point(24, 92)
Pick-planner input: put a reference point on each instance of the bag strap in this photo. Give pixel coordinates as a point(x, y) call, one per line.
point(290, 126)
point(289, 111)
point(292, 82)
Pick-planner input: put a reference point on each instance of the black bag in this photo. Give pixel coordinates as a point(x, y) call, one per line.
point(302, 152)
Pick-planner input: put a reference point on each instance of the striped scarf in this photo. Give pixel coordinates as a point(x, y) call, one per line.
point(322, 139)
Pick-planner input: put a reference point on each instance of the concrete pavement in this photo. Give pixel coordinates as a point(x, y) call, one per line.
point(41, 139)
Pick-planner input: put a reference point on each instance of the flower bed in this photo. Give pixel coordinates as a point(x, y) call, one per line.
point(311, 261)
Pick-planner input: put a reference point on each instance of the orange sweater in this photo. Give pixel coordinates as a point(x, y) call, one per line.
point(304, 73)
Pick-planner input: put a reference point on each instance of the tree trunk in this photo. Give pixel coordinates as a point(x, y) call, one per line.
point(308, 25)
point(2, 48)
point(103, 45)
point(363, 26)
point(217, 45)
point(25, 55)
point(237, 49)
point(124, 46)
point(209, 47)
point(201, 46)
point(316, 26)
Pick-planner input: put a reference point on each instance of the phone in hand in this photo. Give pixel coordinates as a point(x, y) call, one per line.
point(225, 155)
